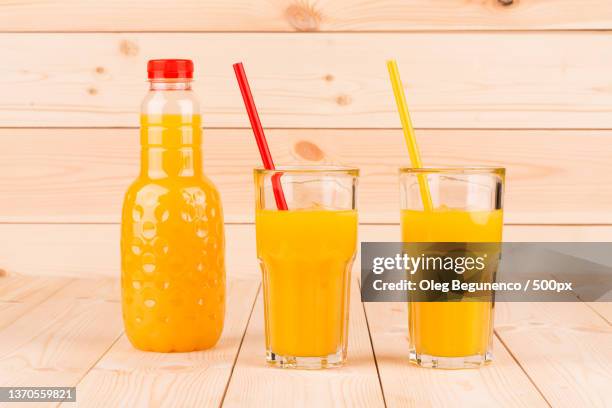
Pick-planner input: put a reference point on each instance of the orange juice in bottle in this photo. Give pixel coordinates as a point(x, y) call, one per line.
point(172, 239)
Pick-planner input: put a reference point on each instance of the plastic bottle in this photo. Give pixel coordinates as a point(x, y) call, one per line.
point(172, 238)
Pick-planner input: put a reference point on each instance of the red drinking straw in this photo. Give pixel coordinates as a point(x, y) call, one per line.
point(260, 137)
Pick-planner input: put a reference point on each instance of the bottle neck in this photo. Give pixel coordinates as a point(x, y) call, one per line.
point(171, 131)
point(182, 84)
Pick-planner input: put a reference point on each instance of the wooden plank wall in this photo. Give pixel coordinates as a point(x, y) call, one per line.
point(521, 84)
point(304, 15)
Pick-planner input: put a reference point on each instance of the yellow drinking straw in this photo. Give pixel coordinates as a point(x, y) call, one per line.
point(413, 150)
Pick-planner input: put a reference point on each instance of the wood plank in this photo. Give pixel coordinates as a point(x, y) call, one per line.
point(511, 233)
point(57, 342)
point(309, 15)
point(453, 80)
point(557, 233)
point(80, 175)
point(563, 347)
point(20, 294)
point(604, 309)
point(127, 377)
point(29, 289)
point(502, 383)
point(92, 251)
point(254, 384)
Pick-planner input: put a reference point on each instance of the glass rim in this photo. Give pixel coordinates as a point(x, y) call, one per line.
point(454, 170)
point(353, 171)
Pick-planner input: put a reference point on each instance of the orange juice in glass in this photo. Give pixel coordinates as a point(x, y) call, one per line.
point(467, 208)
point(306, 254)
point(172, 240)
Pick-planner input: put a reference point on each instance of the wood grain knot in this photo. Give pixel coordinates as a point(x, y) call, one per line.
point(328, 77)
point(309, 151)
point(100, 70)
point(3, 273)
point(506, 2)
point(343, 100)
point(128, 48)
point(303, 16)
point(92, 91)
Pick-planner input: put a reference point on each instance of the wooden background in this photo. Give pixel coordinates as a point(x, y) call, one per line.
point(524, 84)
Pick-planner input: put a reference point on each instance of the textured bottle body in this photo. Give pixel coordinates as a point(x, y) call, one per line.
point(172, 242)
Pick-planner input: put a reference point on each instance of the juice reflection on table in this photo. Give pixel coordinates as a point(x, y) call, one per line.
point(451, 329)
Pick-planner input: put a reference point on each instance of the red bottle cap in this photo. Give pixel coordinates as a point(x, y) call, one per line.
point(170, 68)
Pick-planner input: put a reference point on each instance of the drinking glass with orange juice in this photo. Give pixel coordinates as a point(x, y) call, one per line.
point(466, 208)
point(172, 240)
point(306, 254)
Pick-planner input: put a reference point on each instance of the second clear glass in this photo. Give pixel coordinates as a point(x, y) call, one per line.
point(467, 208)
point(306, 254)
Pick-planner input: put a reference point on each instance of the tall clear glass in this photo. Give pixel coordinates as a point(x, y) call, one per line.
point(467, 208)
point(306, 254)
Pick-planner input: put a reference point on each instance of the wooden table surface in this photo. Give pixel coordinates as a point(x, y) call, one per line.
point(66, 331)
